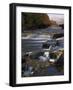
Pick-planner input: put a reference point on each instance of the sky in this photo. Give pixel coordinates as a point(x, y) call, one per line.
point(59, 18)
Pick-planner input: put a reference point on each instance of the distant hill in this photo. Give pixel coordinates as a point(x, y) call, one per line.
point(53, 23)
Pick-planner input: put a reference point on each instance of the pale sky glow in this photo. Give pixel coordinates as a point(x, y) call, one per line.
point(59, 18)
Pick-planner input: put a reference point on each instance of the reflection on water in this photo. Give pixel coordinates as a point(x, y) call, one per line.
point(47, 71)
point(32, 65)
point(54, 70)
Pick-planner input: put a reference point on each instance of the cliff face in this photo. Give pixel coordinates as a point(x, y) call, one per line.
point(46, 20)
point(35, 21)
